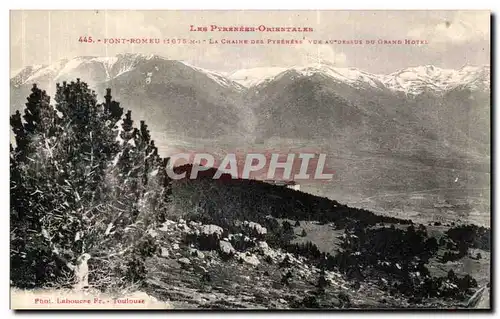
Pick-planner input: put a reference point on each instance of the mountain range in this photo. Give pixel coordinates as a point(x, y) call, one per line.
point(194, 102)
point(412, 80)
point(422, 127)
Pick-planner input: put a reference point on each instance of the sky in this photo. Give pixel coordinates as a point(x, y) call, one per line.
point(454, 38)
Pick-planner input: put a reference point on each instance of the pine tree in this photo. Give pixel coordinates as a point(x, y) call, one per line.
point(74, 205)
point(21, 136)
point(39, 115)
point(34, 139)
point(125, 172)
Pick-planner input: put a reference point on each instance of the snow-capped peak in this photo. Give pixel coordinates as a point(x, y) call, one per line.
point(415, 80)
point(112, 66)
point(103, 69)
point(217, 77)
point(20, 76)
point(254, 76)
point(412, 80)
point(352, 76)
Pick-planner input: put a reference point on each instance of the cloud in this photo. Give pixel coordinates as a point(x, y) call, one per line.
point(463, 27)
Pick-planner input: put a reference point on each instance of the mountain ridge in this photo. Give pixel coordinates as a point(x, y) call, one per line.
point(413, 80)
point(112, 66)
point(377, 140)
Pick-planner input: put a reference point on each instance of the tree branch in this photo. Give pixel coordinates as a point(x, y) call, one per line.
point(55, 250)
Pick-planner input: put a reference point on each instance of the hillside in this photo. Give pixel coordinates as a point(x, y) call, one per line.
point(251, 245)
point(225, 199)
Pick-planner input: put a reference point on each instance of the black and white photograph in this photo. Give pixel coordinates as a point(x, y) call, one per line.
point(242, 160)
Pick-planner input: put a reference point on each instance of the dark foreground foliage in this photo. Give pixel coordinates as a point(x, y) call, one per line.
point(86, 189)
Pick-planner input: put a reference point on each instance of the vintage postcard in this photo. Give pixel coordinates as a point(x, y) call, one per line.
point(250, 160)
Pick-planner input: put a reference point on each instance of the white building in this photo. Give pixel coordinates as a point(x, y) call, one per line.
point(288, 184)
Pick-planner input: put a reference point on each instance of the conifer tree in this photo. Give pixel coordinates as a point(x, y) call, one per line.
point(31, 263)
point(75, 207)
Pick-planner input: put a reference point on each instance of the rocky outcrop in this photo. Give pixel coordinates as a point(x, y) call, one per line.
point(263, 245)
point(184, 261)
point(266, 251)
point(226, 247)
point(164, 252)
point(249, 259)
point(196, 253)
point(256, 227)
point(167, 225)
point(211, 230)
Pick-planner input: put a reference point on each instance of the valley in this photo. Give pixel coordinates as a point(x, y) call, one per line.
point(403, 223)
